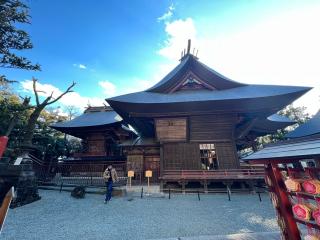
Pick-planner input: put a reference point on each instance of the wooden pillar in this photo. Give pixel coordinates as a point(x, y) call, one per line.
point(205, 186)
point(228, 184)
point(161, 168)
point(161, 185)
point(251, 186)
point(291, 230)
point(183, 186)
point(243, 186)
point(161, 160)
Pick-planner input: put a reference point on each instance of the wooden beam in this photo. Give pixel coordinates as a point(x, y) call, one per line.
point(198, 113)
point(244, 129)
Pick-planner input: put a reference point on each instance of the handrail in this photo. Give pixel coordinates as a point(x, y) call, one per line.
point(225, 171)
point(183, 174)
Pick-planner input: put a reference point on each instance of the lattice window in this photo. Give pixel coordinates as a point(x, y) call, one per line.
point(208, 156)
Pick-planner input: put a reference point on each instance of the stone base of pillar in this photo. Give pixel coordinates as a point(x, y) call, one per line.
point(26, 190)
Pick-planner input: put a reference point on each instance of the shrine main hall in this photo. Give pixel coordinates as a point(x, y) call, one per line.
point(193, 119)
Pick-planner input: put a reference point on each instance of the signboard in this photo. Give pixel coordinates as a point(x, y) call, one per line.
point(148, 173)
point(130, 173)
point(171, 129)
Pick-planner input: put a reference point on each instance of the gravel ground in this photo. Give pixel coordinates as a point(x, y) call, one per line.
point(59, 216)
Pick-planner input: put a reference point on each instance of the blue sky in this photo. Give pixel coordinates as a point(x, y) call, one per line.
point(115, 47)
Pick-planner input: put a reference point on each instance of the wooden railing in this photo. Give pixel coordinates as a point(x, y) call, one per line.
point(74, 172)
point(81, 168)
point(88, 154)
point(213, 174)
point(86, 174)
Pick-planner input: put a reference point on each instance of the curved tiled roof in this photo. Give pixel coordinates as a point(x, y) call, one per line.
point(271, 124)
point(287, 149)
point(311, 127)
point(214, 94)
point(89, 119)
point(244, 92)
point(190, 63)
point(280, 118)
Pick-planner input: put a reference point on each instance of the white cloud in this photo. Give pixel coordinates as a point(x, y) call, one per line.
point(137, 84)
point(281, 50)
point(70, 99)
point(109, 89)
point(81, 66)
point(166, 16)
point(178, 31)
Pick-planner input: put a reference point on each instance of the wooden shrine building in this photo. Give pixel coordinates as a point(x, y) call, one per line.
point(192, 120)
point(196, 117)
point(101, 131)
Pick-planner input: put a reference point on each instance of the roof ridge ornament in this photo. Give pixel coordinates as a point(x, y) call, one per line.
point(185, 53)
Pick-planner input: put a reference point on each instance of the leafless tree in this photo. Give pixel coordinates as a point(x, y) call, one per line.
point(72, 111)
point(28, 133)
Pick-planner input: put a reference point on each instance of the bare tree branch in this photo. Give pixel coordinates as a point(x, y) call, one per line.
point(67, 91)
point(34, 84)
point(27, 138)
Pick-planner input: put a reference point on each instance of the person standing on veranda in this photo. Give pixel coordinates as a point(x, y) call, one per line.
point(110, 176)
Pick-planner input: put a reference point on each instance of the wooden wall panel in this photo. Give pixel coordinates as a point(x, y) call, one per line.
point(171, 157)
point(135, 163)
point(171, 129)
point(217, 129)
point(227, 155)
point(152, 163)
point(191, 154)
point(214, 128)
point(96, 144)
point(178, 156)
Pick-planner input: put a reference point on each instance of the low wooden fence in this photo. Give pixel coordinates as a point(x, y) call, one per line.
point(75, 173)
point(87, 174)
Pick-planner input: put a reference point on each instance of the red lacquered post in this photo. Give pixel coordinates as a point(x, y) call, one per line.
point(3, 144)
point(292, 231)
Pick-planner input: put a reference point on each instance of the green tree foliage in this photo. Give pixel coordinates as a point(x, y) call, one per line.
point(10, 107)
point(13, 39)
point(298, 114)
point(50, 144)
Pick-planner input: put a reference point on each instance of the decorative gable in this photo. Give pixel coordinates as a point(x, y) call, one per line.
point(191, 82)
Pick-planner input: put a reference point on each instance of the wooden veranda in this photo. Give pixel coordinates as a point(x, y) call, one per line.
point(250, 176)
